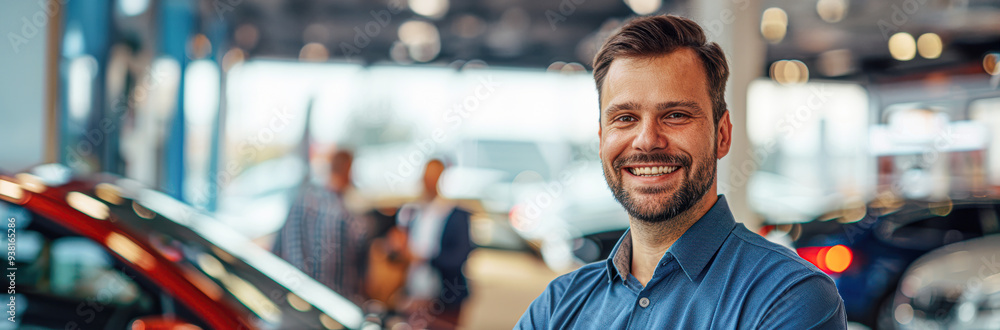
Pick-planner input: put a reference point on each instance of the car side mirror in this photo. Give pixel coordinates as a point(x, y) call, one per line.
point(160, 322)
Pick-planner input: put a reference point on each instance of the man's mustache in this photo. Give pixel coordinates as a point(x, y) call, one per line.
point(620, 163)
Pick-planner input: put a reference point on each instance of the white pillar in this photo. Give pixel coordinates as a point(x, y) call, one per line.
point(735, 25)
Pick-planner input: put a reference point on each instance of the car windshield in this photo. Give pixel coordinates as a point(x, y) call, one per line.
point(227, 266)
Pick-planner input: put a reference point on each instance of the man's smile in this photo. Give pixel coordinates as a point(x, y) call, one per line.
point(651, 170)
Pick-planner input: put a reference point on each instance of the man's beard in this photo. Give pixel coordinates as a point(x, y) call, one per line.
point(694, 186)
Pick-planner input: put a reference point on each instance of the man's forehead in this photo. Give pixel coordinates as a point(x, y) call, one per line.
point(681, 70)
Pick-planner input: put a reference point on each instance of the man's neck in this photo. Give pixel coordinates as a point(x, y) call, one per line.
point(651, 240)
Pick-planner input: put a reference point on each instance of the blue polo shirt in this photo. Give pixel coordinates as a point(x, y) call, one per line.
point(717, 275)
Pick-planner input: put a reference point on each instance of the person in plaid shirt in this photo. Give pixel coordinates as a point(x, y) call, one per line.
point(322, 238)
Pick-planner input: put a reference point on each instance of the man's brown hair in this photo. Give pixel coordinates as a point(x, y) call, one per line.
point(660, 35)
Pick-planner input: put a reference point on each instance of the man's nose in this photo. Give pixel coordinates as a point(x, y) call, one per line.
point(650, 137)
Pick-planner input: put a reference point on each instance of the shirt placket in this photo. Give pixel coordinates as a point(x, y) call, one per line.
point(642, 307)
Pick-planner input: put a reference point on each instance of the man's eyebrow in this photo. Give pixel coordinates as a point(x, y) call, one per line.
point(619, 107)
point(678, 104)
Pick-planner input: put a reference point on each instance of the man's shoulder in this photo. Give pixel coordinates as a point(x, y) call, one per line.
point(586, 276)
point(773, 271)
point(751, 246)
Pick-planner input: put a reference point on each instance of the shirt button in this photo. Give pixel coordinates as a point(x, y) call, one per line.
point(643, 302)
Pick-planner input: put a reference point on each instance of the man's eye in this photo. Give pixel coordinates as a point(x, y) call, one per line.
point(676, 115)
point(626, 118)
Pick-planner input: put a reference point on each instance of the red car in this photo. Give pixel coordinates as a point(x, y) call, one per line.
point(106, 253)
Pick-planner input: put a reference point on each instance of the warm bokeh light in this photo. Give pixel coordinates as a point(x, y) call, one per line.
point(556, 66)
point(233, 57)
point(129, 250)
point(31, 183)
point(774, 24)
point(246, 36)
point(11, 190)
point(88, 205)
point(903, 313)
point(314, 52)
point(468, 26)
point(929, 45)
point(831, 11)
point(422, 40)
point(142, 212)
point(838, 258)
point(109, 193)
point(199, 47)
point(429, 8)
point(644, 7)
point(990, 62)
point(329, 323)
point(417, 32)
point(829, 259)
point(902, 46)
point(941, 208)
point(211, 266)
point(836, 62)
point(298, 303)
point(788, 72)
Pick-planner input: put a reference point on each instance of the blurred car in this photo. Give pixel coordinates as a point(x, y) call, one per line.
point(954, 287)
point(106, 253)
point(867, 249)
point(572, 220)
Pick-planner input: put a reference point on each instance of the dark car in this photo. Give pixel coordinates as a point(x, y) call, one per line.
point(866, 250)
point(106, 253)
point(956, 286)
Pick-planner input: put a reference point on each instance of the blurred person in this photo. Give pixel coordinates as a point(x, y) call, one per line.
point(439, 244)
point(322, 238)
point(684, 262)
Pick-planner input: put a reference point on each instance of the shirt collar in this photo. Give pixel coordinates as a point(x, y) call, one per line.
point(693, 250)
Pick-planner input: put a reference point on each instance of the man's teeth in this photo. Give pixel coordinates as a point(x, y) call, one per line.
point(652, 170)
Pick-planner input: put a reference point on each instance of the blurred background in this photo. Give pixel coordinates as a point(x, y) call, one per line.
point(863, 130)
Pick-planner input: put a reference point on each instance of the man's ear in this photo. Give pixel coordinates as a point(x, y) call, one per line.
point(724, 136)
point(599, 140)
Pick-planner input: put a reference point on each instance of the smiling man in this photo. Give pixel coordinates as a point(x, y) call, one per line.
point(684, 262)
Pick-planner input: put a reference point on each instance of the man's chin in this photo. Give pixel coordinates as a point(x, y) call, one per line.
point(651, 207)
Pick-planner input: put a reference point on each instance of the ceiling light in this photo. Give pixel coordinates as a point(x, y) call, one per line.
point(429, 8)
point(929, 45)
point(774, 24)
point(831, 11)
point(902, 46)
point(644, 7)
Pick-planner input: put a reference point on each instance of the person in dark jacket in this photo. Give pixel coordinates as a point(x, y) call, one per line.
point(439, 242)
